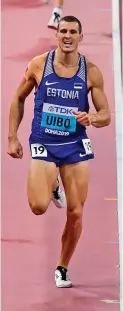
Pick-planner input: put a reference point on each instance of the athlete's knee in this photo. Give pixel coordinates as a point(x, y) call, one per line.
point(74, 215)
point(39, 207)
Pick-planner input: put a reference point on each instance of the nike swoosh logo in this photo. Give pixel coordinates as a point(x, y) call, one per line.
point(82, 155)
point(50, 83)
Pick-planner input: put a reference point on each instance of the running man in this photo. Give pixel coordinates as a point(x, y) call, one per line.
point(62, 79)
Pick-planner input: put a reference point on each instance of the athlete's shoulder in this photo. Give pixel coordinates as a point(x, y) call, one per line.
point(94, 73)
point(36, 63)
point(38, 60)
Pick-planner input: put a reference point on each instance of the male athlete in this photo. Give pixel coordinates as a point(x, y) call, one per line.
point(62, 79)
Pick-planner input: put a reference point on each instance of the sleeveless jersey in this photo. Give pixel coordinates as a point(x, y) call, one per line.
point(55, 100)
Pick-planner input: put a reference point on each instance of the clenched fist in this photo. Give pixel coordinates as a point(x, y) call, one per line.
point(15, 149)
point(83, 118)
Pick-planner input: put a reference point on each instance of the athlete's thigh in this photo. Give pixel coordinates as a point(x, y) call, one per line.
point(75, 178)
point(41, 178)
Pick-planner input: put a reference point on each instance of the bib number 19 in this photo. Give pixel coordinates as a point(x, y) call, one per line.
point(38, 150)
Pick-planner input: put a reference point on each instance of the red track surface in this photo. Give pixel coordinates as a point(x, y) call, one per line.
point(30, 244)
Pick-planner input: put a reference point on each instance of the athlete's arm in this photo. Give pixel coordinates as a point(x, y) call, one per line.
point(102, 117)
point(17, 105)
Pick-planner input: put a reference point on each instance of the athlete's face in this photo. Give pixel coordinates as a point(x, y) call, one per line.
point(68, 36)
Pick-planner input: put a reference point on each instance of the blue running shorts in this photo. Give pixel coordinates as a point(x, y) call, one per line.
point(63, 153)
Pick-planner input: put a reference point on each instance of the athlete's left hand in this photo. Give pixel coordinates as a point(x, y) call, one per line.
point(83, 118)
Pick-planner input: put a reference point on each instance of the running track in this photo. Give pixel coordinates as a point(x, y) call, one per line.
point(30, 244)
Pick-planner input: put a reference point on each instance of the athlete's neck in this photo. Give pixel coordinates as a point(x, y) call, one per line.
point(67, 59)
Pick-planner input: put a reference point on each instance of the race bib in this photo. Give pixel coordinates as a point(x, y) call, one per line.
point(57, 117)
point(38, 150)
point(87, 145)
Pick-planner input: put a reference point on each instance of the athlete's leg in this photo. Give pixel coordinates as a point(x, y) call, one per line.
point(56, 14)
point(59, 3)
point(41, 182)
point(75, 179)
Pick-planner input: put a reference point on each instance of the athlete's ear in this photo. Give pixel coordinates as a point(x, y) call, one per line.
point(57, 34)
point(81, 37)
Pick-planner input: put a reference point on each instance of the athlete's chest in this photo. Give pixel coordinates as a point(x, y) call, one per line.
point(57, 87)
point(65, 72)
point(62, 97)
point(69, 90)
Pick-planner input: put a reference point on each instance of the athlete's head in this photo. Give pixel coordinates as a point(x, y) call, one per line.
point(69, 33)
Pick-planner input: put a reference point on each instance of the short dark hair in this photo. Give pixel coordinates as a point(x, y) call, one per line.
point(71, 19)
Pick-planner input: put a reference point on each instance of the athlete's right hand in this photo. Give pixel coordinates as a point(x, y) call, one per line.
point(15, 149)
